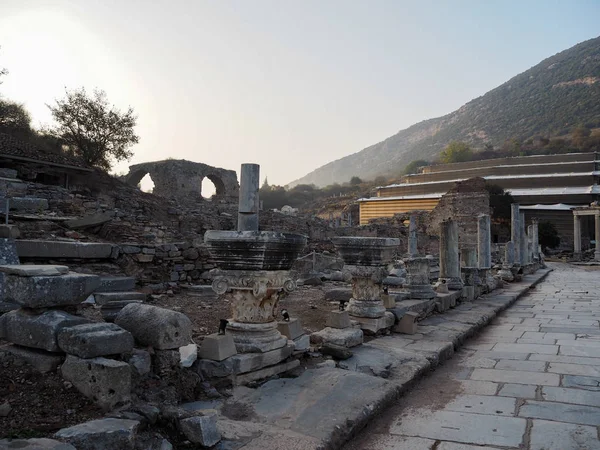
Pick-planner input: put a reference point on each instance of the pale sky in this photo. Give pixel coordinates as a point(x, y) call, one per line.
point(290, 85)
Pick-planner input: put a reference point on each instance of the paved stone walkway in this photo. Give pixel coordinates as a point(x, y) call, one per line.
point(530, 380)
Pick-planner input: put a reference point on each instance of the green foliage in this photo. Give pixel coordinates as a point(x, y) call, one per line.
point(456, 151)
point(500, 202)
point(93, 129)
point(380, 181)
point(354, 181)
point(548, 235)
point(413, 166)
point(14, 119)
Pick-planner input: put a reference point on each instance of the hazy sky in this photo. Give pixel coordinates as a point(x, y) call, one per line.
point(290, 85)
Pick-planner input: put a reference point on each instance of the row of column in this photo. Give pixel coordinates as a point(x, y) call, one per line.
point(577, 236)
point(526, 243)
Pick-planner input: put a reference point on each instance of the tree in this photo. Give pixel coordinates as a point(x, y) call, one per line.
point(548, 235)
point(456, 151)
point(14, 119)
point(380, 180)
point(413, 166)
point(94, 130)
point(265, 184)
point(355, 181)
point(500, 201)
point(580, 136)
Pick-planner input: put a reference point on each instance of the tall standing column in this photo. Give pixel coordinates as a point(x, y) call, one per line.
point(449, 258)
point(515, 230)
point(597, 236)
point(522, 240)
point(249, 202)
point(530, 251)
point(576, 237)
point(412, 236)
point(536, 239)
point(484, 244)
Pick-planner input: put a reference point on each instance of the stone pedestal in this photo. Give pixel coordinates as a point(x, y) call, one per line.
point(509, 258)
point(254, 298)
point(217, 347)
point(418, 279)
point(366, 291)
point(471, 281)
point(389, 301)
point(407, 323)
point(338, 319)
point(291, 329)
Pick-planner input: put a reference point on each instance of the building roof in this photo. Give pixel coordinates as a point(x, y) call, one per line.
point(16, 149)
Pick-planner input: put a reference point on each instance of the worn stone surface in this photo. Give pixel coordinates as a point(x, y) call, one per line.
point(217, 347)
point(49, 291)
point(34, 444)
point(116, 284)
point(291, 329)
point(101, 434)
point(95, 339)
point(338, 319)
point(40, 360)
point(29, 248)
point(103, 298)
point(201, 430)
point(8, 251)
point(111, 310)
point(347, 337)
point(89, 221)
point(141, 361)
point(106, 381)
point(158, 327)
point(32, 270)
point(265, 373)
point(24, 327)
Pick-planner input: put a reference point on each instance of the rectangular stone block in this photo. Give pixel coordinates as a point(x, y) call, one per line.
point(346, 337)
point(40, 360)
point(116, 284)
point(9, 231)
point(302, 343)
point(106, 381)
point(90, 340)
point(63, 250)
point(102, 298)
point(241, 380)
point(373, 325)
point(338, 319)
point(513, 376)
point(36, 330)
point(217, 347)
point(34, 270)
point(407, 323)
point(291, 329)
point(389, 301)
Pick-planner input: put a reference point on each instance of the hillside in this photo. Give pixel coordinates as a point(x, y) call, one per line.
point(549, 99)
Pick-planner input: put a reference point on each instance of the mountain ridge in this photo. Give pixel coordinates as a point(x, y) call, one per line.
point(560, 92)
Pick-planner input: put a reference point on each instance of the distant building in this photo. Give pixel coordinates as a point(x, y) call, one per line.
point(546, 187)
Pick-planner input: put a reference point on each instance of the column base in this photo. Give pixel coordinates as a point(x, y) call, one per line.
point(255, 337)
point(453, 283)
point(421, 291)
point(506, 274)
point(374, 325)
point(366, 308)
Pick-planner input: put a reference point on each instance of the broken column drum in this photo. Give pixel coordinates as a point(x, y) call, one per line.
point(253, 272)
point(449, 257)
point(506, 273)
point(366, 260)
point(418, 283)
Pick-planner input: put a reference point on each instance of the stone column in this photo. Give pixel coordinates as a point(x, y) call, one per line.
point(576, 237)
point(515, 230)
point(412, 236)
point(536, 239)
point(469, 257)
point(249, 202)
point(449, 258)
point(597, 236)
point(484, 251)
point(522, 240)
point(509, 260)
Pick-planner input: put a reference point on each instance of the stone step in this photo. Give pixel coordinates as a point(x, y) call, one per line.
point(29, 204)
point(34, 270)
point(90, 340)
point(41, 249)
point(49, 291)
point(116, 284)
point(102, 298)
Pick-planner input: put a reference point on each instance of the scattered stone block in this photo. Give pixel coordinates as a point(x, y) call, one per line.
point(101, 434)
point(338, 319)
point(372, 325)
point(217, 347)
point(8, 173)
point(336, 351)
point(116, 284)
point(40, 360)
point(389, 301)
point(95, 339)
point(30, 248)
point(34, 270)
point(28, 204)
point(394, 281)
point(302, 343)
point(49, 291)
point(8, 251)
point(267, 372)
point(347, 337)
point(141, 361)
point(106, 381)
point(158, 327)
point(111, 310)
point(291, 329)
point(34, 444)
point(407, 323)
point(26, 328)
point(9, 231)
point(102, 298)
point(201, 430)
point(188, 355)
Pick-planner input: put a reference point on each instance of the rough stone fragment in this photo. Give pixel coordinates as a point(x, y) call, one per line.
point(347, 337)
point(201, 430)
point(24, 327)
point(188, 355)
point(338, 319)
point(89, 221)
point(49, 291)
point(141, 361)
point(29, 204)
point(111, 310)
point(158, 327)
point(34, 444)
point(33, 270)
point(265, 373)
point(217, 347)
point(337, 351)
point(101, 434)
point(106, 381)
point(291, 329)
point(95, 339)
point(40, 360)
point(302, 343)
